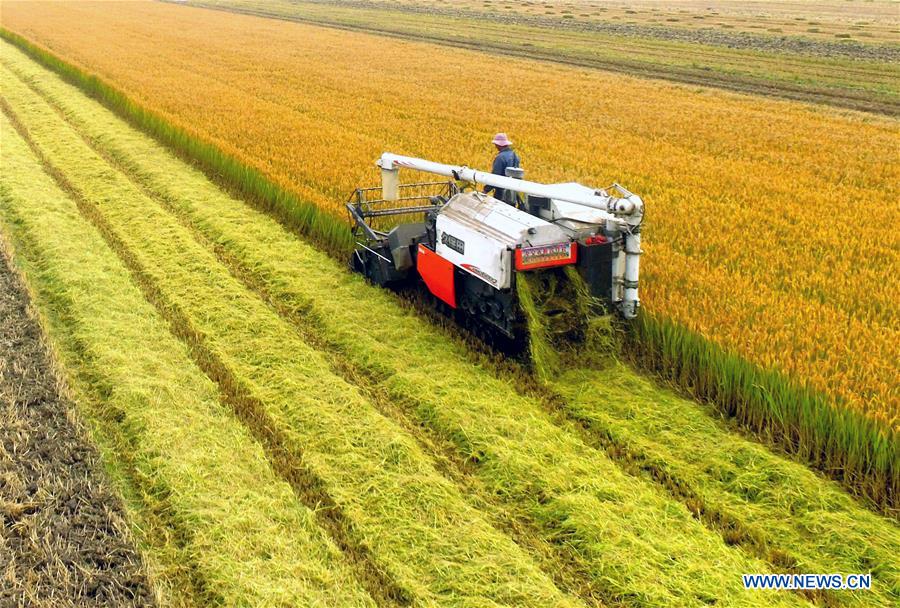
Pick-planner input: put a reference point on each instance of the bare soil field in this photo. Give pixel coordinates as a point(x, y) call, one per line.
point(63, 539)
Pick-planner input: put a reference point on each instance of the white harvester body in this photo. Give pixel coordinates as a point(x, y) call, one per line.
point(469, 246)
point(479, 234)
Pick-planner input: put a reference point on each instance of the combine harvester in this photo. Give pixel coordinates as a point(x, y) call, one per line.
point(470, 249)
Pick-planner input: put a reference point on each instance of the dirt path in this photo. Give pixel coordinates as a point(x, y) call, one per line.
point(63, 539)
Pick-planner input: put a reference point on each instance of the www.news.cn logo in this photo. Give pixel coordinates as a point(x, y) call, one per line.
point(807, 582)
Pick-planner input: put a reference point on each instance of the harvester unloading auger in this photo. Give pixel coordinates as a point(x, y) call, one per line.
point(470, 249)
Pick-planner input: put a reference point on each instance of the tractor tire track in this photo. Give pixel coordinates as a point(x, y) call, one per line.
point(308, 488)
point(564, 565)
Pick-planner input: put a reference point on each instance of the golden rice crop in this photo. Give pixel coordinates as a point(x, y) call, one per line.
point(771, 225)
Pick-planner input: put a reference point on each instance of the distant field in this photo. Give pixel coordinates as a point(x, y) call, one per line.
point(864, 20)
point(286, 434)
point(736, 47)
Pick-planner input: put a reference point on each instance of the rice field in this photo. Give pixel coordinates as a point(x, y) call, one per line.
point(282, 433)
point(750, 206)
point(387, 467)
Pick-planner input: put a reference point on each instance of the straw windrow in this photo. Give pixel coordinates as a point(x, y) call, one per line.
point(215, 523)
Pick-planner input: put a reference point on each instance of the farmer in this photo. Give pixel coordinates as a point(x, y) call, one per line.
point(506, 157)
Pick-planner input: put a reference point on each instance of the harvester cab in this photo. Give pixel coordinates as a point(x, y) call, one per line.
point(468, 248)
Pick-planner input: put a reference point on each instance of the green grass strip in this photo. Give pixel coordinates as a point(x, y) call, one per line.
point(658, 345)
point(867, 456)
point(390, 502)
point(575, 496)
point(216, 524)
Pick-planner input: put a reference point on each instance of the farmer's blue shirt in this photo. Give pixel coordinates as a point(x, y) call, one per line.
point(505, 158)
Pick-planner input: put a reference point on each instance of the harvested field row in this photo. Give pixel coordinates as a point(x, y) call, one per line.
point(569, 493)
point(63, 534)
point(707, 163)
point(213, 521)
point(379, 494)
point(750, 497)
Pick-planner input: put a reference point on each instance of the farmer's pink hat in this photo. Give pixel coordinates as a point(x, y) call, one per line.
point(502, 140)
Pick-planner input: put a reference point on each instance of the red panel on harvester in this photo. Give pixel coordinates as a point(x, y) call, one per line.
point(437, 272)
